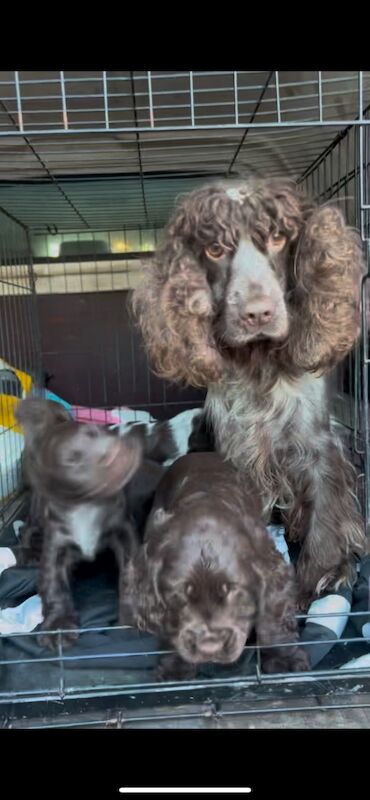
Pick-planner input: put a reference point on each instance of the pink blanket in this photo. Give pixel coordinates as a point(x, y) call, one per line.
point(97, 415)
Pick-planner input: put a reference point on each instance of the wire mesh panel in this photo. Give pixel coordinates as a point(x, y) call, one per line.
point(126, 674)
point(341, 176)
point(69, 101)
point(92, 163)
point(19, 348)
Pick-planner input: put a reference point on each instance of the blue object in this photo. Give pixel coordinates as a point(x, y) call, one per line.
point(52, 396)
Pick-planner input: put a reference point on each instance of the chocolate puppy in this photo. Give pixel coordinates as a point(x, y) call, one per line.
point(209, 573)
point(30, 549)
point(77, 473)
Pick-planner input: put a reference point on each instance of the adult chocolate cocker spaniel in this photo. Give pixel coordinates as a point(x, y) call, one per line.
point(255, 293)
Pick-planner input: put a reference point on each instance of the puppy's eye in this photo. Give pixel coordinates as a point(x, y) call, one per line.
point(189, 589)
point(214, 251)
point(224, 590)
point(277, 240)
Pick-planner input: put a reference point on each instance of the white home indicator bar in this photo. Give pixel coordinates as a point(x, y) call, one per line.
point(184, 790)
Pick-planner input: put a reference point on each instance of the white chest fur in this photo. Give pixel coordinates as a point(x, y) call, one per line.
point(258, 431)
point(86, 524)
point(295, 403)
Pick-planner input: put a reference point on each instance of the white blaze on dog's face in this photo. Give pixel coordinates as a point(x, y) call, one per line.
point(242, 236)
point(255, 305)
point(253, 284)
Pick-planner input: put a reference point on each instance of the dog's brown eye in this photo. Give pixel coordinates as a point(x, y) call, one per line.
point(215, 251)
point(189, 590)
point(277, 240)
point(224, 590)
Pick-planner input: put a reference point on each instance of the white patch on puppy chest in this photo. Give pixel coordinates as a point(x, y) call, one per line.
point(85, 525)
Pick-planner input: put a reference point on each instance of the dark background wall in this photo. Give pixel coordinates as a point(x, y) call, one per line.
point(91, 346)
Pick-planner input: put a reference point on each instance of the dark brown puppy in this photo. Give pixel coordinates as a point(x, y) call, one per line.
point(77, 473)
point(209, 573)
point(29, 553)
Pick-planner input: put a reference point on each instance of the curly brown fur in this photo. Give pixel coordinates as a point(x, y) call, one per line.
point(182, 301)
point(209, 572)
point(165, 312)
point(278, 281)
point(29, 548)
point(327, 292)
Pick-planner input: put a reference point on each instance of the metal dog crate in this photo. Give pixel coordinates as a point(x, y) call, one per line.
point(90, 166)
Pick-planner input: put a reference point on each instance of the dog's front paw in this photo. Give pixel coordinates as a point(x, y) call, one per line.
point(67, 623)
point(296, 661)
point(300, 661)
point(27, 557)
point(304, 601)
point(174, 668)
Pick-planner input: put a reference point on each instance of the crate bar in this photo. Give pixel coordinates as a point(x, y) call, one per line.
point(105, 92)
point(64, 102)
point(365, 378)
point(338, 123)
point(362, 167)
point(151, 111)
point(360, 94)
point(278, 97)
point(236, 102)
point(192, 99)
point(19, 104)
point(320, 96)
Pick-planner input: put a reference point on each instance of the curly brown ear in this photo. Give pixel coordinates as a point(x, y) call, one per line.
point(36, 415)
point(326, 315)
point(174, 316)
point(174, 309)
point(141, 603)
point(34, 412)
point(276, 621)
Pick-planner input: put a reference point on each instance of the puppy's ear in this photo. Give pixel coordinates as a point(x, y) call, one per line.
point(143, 603)
point(150, 563)
point(156, 537)
point(30, 413)
point(35, 415)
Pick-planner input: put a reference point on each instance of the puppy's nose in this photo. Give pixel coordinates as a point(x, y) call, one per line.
point(210, 646)
point(259, 312)
point(210, 642)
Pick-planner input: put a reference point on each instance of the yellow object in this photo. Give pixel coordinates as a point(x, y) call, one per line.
point(7, 408)
point(24, 379)
point(8, 402)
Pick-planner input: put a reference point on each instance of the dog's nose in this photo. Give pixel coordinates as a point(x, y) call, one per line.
point(259, 312)
point(210, 646)
point(209, 642)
